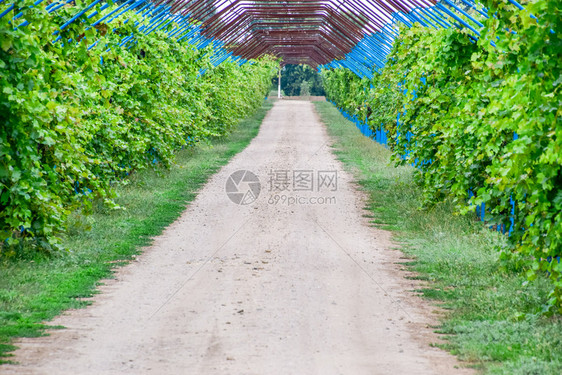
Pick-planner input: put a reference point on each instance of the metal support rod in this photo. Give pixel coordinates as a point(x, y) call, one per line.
point(279, 83)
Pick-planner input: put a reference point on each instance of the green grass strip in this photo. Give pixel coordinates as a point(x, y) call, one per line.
point(38, 289)
point(492, 318)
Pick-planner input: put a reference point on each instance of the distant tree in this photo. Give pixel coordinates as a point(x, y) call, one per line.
point(305, 88)
point(293, 76)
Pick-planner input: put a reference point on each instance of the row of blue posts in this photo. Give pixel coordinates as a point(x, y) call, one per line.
point(380, 135)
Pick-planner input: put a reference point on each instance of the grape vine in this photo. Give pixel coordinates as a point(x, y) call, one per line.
point(481, 121)
point(77, 119)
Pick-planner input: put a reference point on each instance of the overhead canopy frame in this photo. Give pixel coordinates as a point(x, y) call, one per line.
point(313, 32)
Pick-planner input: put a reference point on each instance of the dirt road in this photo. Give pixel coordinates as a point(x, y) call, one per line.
point(295, 282)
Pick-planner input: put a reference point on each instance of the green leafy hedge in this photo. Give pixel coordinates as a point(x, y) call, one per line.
point(77, 121)
point(487, 122)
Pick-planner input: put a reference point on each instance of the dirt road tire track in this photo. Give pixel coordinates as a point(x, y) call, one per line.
point(259, 289)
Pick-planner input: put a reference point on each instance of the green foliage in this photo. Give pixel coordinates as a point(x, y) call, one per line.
point(491, 317)
point(293, 77)
point(72, 127)
point(464, 120)
point(40, 287)
point(305, 88)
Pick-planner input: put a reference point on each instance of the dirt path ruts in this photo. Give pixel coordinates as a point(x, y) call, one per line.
point(265, 288)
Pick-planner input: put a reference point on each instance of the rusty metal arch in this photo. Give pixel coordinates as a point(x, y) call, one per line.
point(355, 34)
point(313, 32)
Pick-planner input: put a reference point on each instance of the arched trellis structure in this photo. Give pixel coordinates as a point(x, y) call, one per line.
point(302, 31)
point(355, 34)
